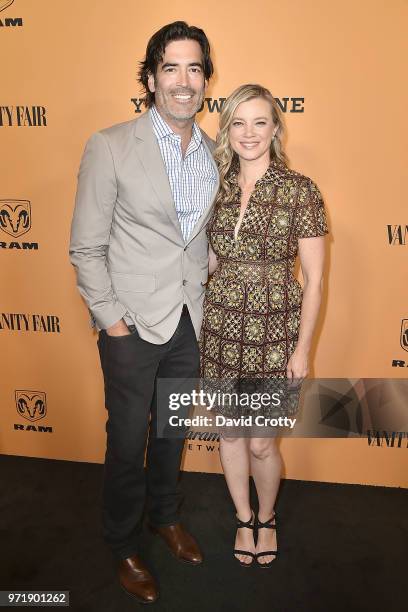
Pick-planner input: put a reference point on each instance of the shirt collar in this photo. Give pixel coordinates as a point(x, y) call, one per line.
point(162, 129)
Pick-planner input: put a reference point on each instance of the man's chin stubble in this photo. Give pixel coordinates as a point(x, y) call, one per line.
point(186, 117)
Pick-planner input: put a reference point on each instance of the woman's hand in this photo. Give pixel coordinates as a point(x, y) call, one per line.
point(298, 365)
point(212, 261)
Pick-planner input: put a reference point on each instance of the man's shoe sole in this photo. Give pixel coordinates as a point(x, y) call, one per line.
point(138, 599)
point(156, 533)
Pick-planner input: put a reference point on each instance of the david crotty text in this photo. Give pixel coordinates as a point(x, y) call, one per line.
point(222, 421)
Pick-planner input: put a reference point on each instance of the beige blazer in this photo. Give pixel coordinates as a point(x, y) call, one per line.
point(126, 242)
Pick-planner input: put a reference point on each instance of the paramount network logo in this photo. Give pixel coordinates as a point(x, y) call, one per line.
point(214, 105)
point(9, 22)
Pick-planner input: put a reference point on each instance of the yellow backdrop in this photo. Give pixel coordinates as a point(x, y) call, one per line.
point(69, 69)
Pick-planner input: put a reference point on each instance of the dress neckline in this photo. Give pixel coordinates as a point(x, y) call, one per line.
point(275, 165)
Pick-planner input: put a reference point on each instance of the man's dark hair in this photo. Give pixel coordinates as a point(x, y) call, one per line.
point(178, 30)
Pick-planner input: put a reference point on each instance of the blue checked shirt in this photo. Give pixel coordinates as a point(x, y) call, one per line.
point(192, 178)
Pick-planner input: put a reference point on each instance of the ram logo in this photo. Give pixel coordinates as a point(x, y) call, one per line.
point(31, 405)
point(404, 334)
point(5, 3)
point(15, 217)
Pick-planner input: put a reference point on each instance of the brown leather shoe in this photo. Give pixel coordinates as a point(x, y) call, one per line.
point(137, 581)
point(182, 545)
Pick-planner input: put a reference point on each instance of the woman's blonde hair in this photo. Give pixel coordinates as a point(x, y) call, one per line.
point(224, 154)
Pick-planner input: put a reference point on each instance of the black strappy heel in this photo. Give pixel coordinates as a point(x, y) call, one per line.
point(248, 525)
point(267, 525)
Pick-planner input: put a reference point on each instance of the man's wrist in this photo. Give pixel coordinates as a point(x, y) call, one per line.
point(118, 329)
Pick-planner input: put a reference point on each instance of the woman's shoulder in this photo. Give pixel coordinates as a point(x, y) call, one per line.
point(297, 186)
point(290, 177)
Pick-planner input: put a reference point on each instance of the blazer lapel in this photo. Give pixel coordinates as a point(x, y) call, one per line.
point(148, 151)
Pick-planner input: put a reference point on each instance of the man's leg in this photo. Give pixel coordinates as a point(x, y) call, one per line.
point(180, 361)
point(129, 366)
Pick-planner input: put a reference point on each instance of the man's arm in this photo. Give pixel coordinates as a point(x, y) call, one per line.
point(91, 226)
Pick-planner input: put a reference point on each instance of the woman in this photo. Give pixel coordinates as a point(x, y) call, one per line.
point(256, 324)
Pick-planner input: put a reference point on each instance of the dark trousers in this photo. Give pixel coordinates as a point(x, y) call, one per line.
point(131, 367)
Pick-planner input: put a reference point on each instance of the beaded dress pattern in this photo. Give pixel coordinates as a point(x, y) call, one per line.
point(253, 301)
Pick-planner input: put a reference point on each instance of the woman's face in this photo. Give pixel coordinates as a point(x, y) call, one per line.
point(252, 129)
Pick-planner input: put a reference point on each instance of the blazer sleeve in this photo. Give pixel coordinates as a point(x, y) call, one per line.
point(91, 225)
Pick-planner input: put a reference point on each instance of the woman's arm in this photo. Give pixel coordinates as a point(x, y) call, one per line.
point(311, 253)
point(212, 261)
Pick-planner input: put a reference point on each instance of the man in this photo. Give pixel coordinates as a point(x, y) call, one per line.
point(138, 243)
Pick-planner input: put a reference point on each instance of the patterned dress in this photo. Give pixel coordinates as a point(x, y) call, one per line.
point(253, 301)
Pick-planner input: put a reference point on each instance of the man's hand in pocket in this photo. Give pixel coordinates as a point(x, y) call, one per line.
point(118, 329)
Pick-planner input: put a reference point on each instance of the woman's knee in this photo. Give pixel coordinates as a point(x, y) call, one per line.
point(262, 448)
point(233, 444)
point(232, 441)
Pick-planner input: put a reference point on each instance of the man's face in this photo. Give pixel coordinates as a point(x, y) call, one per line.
point(179, 84)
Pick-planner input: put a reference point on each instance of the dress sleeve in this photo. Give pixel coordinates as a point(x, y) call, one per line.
point(310, 218)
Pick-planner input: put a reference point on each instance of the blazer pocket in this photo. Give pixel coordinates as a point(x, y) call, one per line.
point(136, 283)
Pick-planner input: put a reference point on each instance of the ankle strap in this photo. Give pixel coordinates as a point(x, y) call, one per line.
point(267, 524)
point(246, 524)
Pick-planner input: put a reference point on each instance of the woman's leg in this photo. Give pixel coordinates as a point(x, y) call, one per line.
point(266, 468)
point(234, 455)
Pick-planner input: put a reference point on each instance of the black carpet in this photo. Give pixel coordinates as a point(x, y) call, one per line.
point(341, 547)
